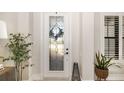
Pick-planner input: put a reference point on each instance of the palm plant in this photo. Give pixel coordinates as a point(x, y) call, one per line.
point(102, 65)
point(103, 62)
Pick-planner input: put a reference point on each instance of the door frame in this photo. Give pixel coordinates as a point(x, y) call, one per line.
point(66, 74)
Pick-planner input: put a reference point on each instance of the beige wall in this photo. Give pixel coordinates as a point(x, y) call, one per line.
point(11, 21)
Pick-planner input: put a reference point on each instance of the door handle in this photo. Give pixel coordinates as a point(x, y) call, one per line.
point(66, 49)
point(66, 53)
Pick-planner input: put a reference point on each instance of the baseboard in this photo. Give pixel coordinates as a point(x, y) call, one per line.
point(55, 79)
point(35, 77)
point(116, 77)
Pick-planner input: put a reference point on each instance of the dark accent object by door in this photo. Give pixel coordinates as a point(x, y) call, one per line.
point(76, 73)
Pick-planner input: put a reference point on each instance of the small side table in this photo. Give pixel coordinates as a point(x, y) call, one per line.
point(8, 74)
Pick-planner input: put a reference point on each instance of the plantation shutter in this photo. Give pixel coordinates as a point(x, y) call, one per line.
point(111, 24)
point(123, 37)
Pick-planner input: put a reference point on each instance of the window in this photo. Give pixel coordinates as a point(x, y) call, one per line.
point(111, 36)
point(114, 37)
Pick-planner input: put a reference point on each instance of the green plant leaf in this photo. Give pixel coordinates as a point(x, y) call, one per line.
point(98, 58)
point(102, 61)
point(110, 65)
point(19, 47)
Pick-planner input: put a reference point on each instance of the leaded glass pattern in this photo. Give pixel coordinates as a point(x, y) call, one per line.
point(56, 43)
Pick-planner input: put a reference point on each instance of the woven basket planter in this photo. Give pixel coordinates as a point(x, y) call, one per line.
point(101, 74)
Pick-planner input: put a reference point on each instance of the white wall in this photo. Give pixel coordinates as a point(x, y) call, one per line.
point(97, 35)
point(75, 28)
point(23, 22)
point(37, 60)
point(97, 31)
point(75, 39)
point(87, 41)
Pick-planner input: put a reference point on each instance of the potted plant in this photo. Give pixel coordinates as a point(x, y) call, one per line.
point(101, 66)
point(19, 47)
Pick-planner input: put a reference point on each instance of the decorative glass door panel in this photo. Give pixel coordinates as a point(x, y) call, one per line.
point(56, 43)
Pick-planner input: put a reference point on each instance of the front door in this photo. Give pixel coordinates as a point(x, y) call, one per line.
point(56, 46)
